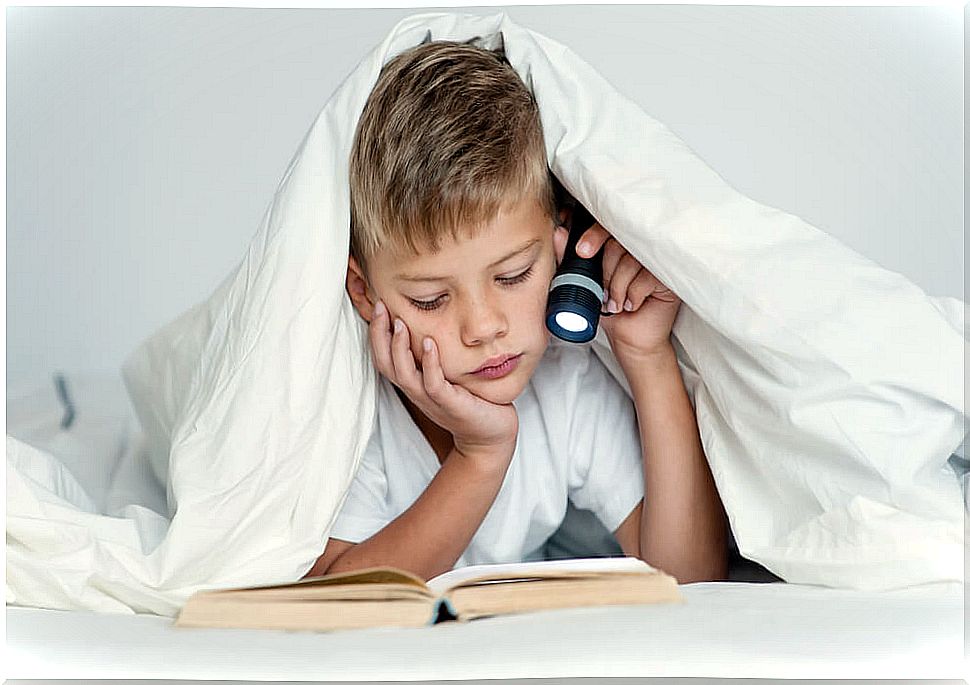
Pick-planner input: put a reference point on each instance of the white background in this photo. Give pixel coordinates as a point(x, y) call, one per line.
point(145, 143)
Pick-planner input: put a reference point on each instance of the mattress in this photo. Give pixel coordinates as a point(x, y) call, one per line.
point(724, 630)
point(751, 627)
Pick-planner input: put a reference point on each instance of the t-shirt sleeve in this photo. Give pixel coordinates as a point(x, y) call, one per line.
point(364, 511)
point(606, 466)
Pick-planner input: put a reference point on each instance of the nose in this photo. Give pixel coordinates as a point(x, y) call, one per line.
point(483, 320)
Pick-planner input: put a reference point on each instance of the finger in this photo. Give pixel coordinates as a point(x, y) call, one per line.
point(405, 369)
point(664, 294)
point(623, 275)
point(642, 287)
point(436, 385)
point(592, 240)
point(612, 254)
point(379, 332)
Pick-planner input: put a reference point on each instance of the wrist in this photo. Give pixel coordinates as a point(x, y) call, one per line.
point(660, 355)
point(649, 372)
point(486, 460)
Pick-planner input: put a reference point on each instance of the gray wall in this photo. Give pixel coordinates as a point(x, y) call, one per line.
point(144, 143)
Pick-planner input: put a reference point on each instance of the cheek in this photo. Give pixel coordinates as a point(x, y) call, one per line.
point(538, 296)
point(418, 333)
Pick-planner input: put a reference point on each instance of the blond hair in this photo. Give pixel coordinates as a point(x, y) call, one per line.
point(449, 136)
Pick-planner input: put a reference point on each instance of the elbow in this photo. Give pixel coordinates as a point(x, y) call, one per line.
point(315, 570)
point(320, 567)
point(718, 573)
point(328, 562)
point(713, 570)
point(701, 576)
point(700, 569)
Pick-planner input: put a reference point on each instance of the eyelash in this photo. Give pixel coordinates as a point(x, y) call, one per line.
point(511, 281)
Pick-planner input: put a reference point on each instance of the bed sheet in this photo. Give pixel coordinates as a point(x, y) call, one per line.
point(724, 630)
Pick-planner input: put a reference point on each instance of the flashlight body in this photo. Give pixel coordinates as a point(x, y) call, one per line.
point(591, 267)
point(576, 291)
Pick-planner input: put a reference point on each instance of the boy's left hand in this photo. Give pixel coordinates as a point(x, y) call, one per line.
point(643, 326)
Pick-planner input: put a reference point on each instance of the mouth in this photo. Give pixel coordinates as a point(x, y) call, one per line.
point(499, 366)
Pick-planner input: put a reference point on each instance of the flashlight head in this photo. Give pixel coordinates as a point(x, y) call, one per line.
point(576, 291)
point(573, 312)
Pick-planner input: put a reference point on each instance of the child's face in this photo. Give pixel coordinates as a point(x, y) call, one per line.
point(484, 296)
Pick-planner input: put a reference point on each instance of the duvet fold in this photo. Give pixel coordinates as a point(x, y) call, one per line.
point(828, 390)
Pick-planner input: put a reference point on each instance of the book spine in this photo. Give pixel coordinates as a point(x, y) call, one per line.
point(443, 611)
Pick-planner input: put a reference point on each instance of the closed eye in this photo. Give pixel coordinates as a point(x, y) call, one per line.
point(428, 305)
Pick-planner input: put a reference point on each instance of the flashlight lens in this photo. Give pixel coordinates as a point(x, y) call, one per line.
point(572, 322)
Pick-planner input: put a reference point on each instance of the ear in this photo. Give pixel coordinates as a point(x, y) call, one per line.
point(359, 290)
point(564, 216)
point(559, 239)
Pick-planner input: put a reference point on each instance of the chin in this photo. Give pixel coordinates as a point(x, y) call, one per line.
point(499, 394)
point(501, 390)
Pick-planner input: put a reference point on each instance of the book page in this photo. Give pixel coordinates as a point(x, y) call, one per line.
point(376, 575)
point(537, 569)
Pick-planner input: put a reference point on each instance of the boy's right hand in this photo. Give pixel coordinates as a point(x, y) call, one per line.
point(482, 430)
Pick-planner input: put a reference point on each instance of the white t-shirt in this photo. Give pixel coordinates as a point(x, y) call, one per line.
point(578, 440)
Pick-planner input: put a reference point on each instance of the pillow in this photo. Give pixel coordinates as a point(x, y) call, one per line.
point(83, 419)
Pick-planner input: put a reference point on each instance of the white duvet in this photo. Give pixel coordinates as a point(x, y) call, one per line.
point(828, 390)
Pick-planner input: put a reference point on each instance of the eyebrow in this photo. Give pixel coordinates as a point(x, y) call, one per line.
point(515, 252)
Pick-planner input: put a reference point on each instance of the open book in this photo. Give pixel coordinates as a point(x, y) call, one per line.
point(392, 597)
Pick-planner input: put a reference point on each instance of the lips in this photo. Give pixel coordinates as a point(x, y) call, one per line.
point(495, 361)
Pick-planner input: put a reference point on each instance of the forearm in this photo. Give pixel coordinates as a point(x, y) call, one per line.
point(428, 538)
point(683, 527)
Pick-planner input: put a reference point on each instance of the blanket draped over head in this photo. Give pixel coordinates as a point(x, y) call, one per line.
point(828, 390)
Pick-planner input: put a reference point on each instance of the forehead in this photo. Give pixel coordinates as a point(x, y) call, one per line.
point(517, 232)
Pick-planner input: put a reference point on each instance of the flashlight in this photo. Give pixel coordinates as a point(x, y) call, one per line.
point(576, 291)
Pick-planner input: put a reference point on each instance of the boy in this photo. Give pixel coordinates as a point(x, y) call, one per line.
point(487, 425)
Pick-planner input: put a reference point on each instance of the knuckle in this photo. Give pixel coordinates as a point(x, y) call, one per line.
point(432, 389)
point(644, 276)
point(630, 262)
point(608, 267)
point(378, 364)
point(623, 276)
point(405, 385)
point(637, 292)
point(379, 360)
point(615, 257)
